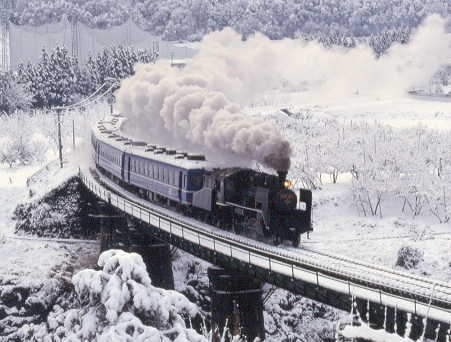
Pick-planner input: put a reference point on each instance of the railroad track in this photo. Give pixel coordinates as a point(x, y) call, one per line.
point(420, 288)
point(429, 287)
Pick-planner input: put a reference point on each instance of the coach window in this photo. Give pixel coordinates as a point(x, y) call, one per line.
point(196, 182)
point(166, 175)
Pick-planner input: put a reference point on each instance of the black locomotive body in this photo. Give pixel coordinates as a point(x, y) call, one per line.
point(256, 203)
point(242, 200)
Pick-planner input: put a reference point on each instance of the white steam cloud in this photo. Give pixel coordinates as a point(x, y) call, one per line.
point(199, 106)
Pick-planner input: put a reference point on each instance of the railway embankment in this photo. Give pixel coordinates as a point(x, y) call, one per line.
point(36, 272)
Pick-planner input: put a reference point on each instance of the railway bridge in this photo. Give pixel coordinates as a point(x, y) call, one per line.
point(402, 303)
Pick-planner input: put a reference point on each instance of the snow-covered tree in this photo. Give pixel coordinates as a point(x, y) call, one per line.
point(119, 303)
point(331, 21)
point(13, 97)
point(112, 63)
point(53, 80)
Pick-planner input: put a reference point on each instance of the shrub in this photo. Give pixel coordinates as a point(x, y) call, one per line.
point(409, 257)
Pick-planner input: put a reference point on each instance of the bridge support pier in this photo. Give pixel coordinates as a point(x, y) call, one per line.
point(236, 300)
point(119, 232)
point(157, 257)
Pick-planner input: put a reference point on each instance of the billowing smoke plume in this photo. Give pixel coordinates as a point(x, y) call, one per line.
point(180, 107)
point(199, 106)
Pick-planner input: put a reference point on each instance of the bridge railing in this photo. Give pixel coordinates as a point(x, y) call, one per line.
point(263, 259)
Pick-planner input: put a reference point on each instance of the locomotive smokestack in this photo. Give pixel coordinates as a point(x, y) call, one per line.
point(282, 177)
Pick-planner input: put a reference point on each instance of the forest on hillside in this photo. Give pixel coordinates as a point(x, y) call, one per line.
point(192, 19)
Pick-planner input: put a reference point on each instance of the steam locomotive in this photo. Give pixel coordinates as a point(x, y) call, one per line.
point(256, 204)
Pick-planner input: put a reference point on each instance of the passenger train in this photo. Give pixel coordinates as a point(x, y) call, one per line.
point(256, 204)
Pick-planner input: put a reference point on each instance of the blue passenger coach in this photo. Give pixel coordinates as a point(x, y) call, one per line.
point(176, 181)
point(172, 181)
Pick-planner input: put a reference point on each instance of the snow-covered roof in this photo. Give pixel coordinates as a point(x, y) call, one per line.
point(109, 131)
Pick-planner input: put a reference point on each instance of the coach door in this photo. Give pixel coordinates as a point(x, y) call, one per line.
point(126, 168)
point(123, 166)
point(180, 187)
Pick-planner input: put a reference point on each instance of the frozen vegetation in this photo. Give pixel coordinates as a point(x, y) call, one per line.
point(332, 21)
point(118, 303)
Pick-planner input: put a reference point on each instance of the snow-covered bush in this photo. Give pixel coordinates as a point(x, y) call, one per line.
point(119, 303)
point(409, 257)
point(16, 141)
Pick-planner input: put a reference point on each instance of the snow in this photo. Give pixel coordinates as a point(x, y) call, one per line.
point(338, 227)
point(405, 111)
point(117, 299)
point(30, 262)
point(364, 331)
point(141, 150)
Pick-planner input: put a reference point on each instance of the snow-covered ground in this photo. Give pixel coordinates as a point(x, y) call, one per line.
point(338, 227)
point(407, 111)
point(29, 263)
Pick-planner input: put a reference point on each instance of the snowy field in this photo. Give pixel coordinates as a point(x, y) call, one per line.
point(339, 227)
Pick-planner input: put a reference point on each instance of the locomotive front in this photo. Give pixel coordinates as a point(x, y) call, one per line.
point(288, 222)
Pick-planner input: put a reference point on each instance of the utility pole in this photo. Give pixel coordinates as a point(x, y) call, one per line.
point(6, 6)
point(60, 144)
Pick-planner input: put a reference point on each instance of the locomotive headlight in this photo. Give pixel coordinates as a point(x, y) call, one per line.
point(287, 184)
